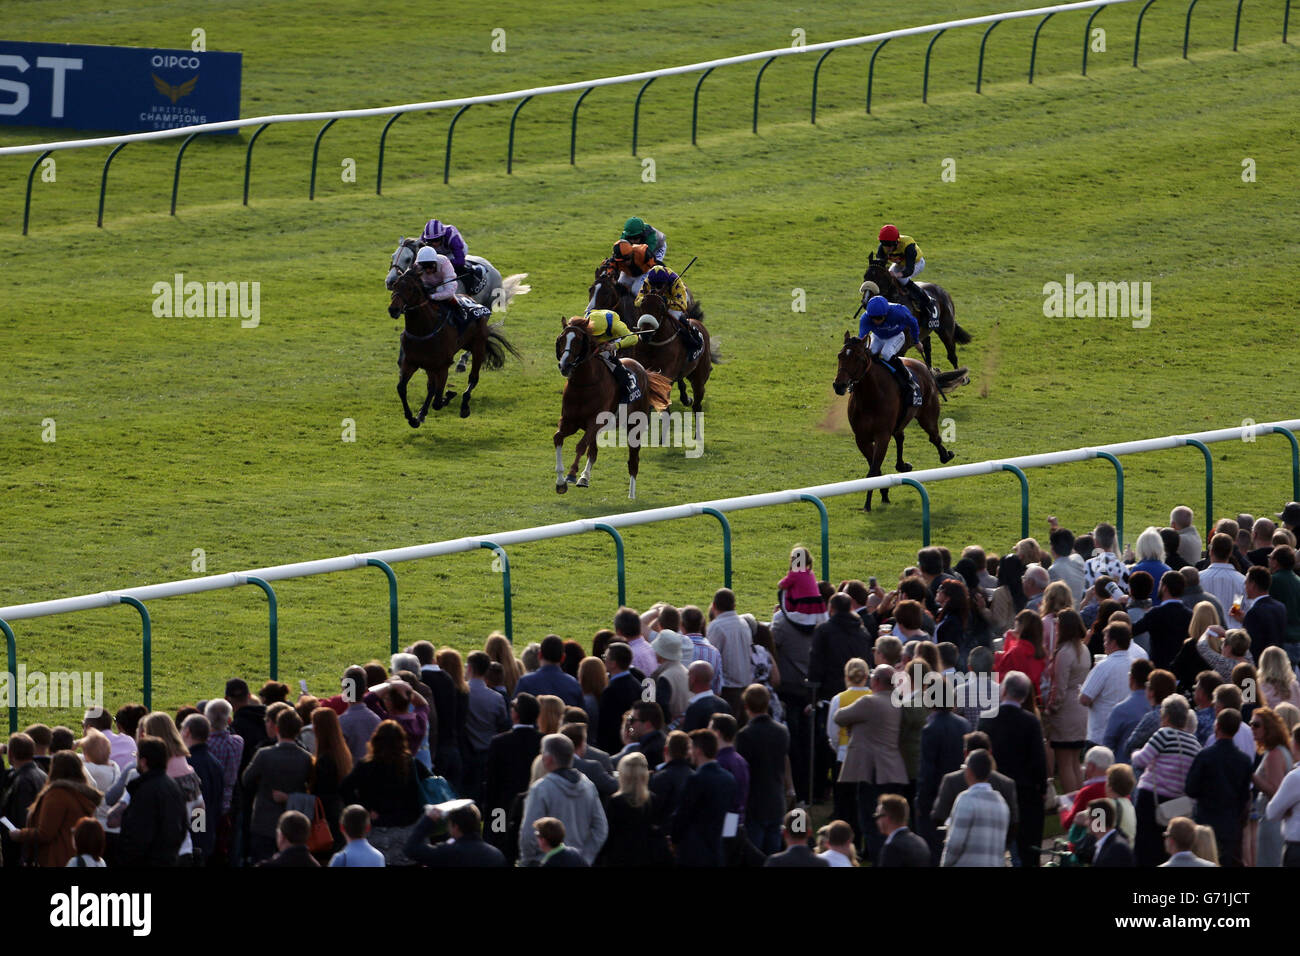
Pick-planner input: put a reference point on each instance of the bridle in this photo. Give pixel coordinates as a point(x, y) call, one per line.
point(850, 350)
point(409, 281)
point(586, 352)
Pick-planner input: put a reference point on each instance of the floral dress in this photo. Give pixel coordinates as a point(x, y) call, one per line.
point(762, 661)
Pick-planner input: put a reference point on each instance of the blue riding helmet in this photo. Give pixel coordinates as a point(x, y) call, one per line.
point(877, 306)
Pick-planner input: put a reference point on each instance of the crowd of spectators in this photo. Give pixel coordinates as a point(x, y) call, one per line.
point(1144, 698)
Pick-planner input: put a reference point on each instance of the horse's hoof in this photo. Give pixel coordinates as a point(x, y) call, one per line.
point(903, 466)
point(571, 479)
point(446, 399)
point(413, 422)
point(464, 411)
point(561, 489)
point(583, 483)
point(946, 456)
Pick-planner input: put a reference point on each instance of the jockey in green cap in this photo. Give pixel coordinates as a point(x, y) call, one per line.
point(639, 232)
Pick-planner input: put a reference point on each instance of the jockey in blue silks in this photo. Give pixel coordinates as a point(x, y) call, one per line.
point(889, 325)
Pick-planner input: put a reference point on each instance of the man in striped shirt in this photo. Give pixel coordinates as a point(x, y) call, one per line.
point(1165, 760)
point(693, 627)
point(977, 827)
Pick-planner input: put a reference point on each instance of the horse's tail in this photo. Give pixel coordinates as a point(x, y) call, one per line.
point(960, 335)
point(695, 311)
point(715, 352)
point(949, 381)
point(496, 346)
point(660, 389)
point(512, 286)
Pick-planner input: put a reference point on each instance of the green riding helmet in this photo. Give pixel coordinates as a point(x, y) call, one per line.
point(635, 228)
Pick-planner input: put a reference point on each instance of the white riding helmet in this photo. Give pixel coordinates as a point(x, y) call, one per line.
point(647, 323)
point(425, 255)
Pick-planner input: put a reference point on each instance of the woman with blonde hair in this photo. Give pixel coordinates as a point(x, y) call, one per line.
point(1277, 678)
point(1150, 551)
point(593, 678)
point(839, 850)
point(1188, 662)
point(1028, 551)
point(634, 837)
point(160, 724)
point(1289, 715)
point(551, 715)
point(498, 649)
point(1206, 846)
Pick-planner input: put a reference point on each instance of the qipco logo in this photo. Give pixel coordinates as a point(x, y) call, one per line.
point(178, 62)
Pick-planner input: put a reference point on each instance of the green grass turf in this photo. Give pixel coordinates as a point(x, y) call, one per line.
point(177, 434)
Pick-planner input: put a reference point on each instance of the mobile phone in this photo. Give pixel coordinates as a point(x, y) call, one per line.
point(1113, 590)
point(302, 685)
point(871, 582)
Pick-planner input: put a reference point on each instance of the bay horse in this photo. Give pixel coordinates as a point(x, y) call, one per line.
point(606, 293)
point(430, 342)
point(950, 333)
point(876, 408)
point(666, 353)
point(591, 391)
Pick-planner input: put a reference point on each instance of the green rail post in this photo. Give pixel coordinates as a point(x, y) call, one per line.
point(27, 203)
point(726, 543)
point(636, 111)
point(446, 166)
point(1087, 37)
point(979, 72)
point(379, 172)
point(871, 68)
point(146, 645)
point(248, 157)
point(392, 601)
point(573, 126)
point(1187, 28)
point(510, 147)
point(1286, 18)
point(315, 151)
point(925, 509)
point(1119, 495)
point(103, 184)
point(925, 81)
point(1033, 54)
point(1295, 459)
point(618, 558)
point(826, 534)
point(1209, 486)
point(757, 80)
point(1024, 498)
point(176, 178)
point(274, 630)
point(1137, 34)
point(695, 103)
point(817, 72)
point(11, 655)
point(1236, 29)
point(505, 582)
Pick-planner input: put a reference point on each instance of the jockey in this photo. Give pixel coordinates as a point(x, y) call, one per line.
point(637, 230)
point(890, 325)
point(438, 278)
point(634, 260)
point(905, 262)
point(663, 282)
point(446, 240)
point(611, 334)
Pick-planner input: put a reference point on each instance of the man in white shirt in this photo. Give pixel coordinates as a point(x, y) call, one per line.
point(1106, 685)
point(1285, 806)
point(731, 635)
point(1221, 578)
point(1066, 565)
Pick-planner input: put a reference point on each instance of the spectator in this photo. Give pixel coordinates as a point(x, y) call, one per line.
point(1065, 717)
point(835, 642)
point(1229, 697)
point(593, 770)
point(1124, 718)
point(1034, 583)
point(1277, 679)
point(1106, 686)
point(1017, 745)
point(550, 678)
point(645, 733)
point(797, 852)
point(955, 624)
point(398, 701)
point(972, 688)
point(733, 638)
point(1140, 586)
point(1265, 619)
point(357, 851)
point(510, 758)
point(1235, 646)
point(1166, 622)
point(1161, 684)
point(448, 757)
point(531, 659)
point(248, 722)
point(668, 782)
point(1149, 549)
point(1179, 844)
point(762, 656)
point(619, 695)
point(466, 848)
point(1194, 594)
point(573, 655)
point(840, 851)
point(1189, 539)
point(498, 648)
point(599, 642)
point(333, 764)
point(1066, 566)
point(1285, 586)
point(195, 732)
point(549, 833)
point(671, 682)
point(700, 649)
point(1275, 763)
point(1221, 578)
point(1188, 662)
point(1024, 650)
point(121, 744)
point(1261, 542)
point(703, 702)
point(627, 625)
point(1120, 784)
point(357, 721)
point(634, 814)
point(873, 760)
point(1170, 538)
point(274, 692)
point(729, 758)
point(1105, 561)
point(955, 782)
point(486, 716)
point(1283, 809)
point(710, 793)
point(1165, 760)
point(387, 783)
point(291, 835)
point(1096, 765)
point(901, 847)
point(273, 774)
point(593, 679)
point(1008, 598)
point(100, 769)
point(856, 676)
point(228, 749)
point(977, 828)
point(550, 714)
point(764, 744)
point(42, 736)
point(154, 822)
point(88, 841)
point(64, 799)
point(1111, 848)
point(568, 796)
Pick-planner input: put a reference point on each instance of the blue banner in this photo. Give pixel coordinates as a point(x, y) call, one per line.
point(122, 88)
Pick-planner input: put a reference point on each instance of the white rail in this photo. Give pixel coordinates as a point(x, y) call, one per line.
point(557, 88)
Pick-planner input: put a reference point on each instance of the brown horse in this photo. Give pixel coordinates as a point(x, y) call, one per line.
point(606, 293)
point(430, 342)
point(590, 394)
point(876, 409)
point(950, 333)
point(665, 352)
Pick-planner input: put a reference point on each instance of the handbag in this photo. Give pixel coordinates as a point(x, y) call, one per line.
point(320, 840)
point(1183, 806)
point(437, 790)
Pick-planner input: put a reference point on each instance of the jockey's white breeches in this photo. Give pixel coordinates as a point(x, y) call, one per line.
point(897, 270)
point(886, 348)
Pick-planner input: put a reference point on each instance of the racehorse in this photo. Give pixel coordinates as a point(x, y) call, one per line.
point(430, 342)
point(874, 405)
point(606, 293)
point(591, 390)
point(950, 333)
point(665, 352)
point(497, 293)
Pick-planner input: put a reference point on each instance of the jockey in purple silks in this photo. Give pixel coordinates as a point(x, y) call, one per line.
point(446, 240)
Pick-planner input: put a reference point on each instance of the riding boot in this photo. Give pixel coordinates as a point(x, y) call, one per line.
point(901, 376)
point(921, 299)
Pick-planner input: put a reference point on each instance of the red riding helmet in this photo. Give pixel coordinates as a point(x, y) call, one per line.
point(889, 234)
